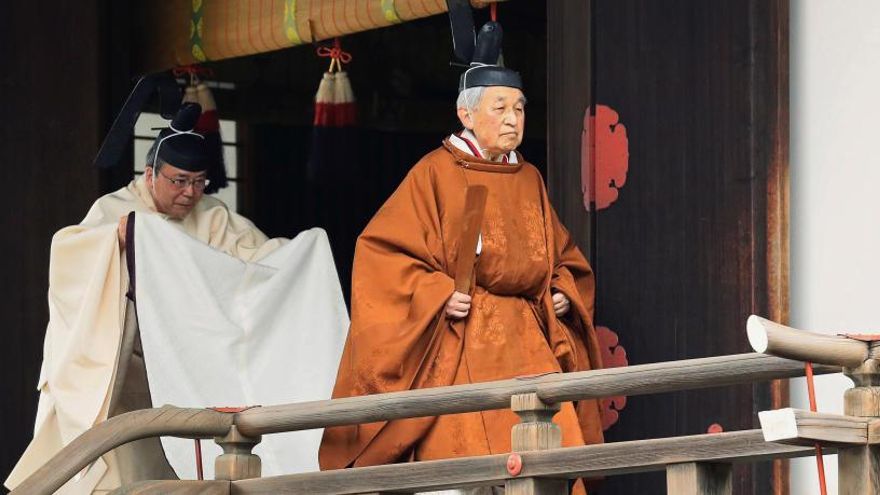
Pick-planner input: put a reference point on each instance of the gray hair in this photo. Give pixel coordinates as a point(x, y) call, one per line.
point(152, 160)
point(470, 98)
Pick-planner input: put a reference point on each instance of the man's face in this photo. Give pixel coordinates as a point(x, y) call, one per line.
point(173, 190)
point(498, 121)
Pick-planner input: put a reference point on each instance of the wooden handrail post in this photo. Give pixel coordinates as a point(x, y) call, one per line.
point(237, 462)
point(699, 478)
point(536, 431)
point(859, 467)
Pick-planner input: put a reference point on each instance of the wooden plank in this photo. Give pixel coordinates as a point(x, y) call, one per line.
point(698, 478)
point(632, 380)
point(85, 449)
point(471, 223)
point(175, 487)
point(799, 427)
point(772, 338)
point(576, 462)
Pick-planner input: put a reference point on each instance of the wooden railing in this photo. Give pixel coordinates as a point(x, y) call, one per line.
point(697, 464)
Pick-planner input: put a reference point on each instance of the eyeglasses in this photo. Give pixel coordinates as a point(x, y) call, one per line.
point(198, 184)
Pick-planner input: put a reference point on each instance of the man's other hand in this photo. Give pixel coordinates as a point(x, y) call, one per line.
point(561, 304)
point(458, 306)
point(120, 231)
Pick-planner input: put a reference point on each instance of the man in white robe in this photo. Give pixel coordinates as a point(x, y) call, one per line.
point(88, 282)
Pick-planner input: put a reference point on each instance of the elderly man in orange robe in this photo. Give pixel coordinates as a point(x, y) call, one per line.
point(530, 309)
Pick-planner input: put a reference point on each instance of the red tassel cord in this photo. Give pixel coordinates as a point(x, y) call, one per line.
point(820, 462)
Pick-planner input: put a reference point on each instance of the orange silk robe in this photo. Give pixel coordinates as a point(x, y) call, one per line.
point(400, 340)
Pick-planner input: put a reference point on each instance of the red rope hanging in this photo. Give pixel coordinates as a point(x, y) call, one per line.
point(336, 54)
point(200, 474)
point(334, 101)
point(493, 11)
point(820, 462)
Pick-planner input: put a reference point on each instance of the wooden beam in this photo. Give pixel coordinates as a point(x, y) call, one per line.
point(175, 487)
point(799, 427)
point(106, 436)
point(576, 462)
point(641, 379)
point(769, 337)
point(699, 478)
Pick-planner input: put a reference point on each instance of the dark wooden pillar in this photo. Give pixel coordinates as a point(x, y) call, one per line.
point(698, 237)
point(568, 99)
point(770, 152)
point(53, 79)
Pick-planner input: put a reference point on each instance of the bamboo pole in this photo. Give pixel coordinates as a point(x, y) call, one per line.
point(769, 337)
point(198, 32)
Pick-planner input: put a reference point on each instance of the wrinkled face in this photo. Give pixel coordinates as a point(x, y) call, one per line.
point(174, 190)
point(498, 121)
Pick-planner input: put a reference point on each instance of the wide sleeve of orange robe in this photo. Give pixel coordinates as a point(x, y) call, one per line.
point(402, 278)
